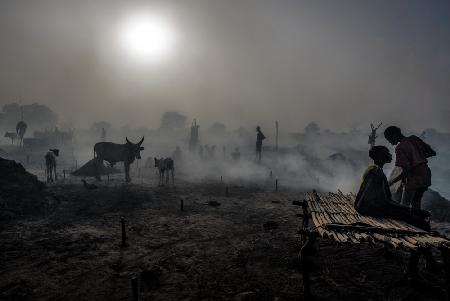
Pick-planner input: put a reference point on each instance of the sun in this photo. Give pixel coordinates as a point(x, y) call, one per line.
point(147, 38)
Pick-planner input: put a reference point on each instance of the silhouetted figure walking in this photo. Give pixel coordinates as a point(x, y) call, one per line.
point(103, 135)
point(177, 154)
point(236, 155)
point(259, 139)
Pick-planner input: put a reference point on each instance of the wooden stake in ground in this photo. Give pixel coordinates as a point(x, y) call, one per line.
point(134, 287)
point(181, 205)
point(276, 185)
point(276, 135)
point(124, 234)
point(64, 174)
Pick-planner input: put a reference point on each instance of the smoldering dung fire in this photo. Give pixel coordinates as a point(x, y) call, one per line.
point(225, 229)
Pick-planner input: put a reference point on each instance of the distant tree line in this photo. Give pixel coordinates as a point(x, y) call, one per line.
point(35, 115)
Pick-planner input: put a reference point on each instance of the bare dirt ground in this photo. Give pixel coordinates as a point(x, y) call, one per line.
point(240, 247)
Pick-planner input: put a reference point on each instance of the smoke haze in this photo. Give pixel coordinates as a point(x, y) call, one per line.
point(341, 64)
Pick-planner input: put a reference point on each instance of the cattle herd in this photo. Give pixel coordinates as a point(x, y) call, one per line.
point(113, 153)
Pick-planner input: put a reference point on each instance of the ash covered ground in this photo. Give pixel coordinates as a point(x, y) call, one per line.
point(237, 247)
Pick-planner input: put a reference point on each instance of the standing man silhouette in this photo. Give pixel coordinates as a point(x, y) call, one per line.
point(259, 139)
point(411, 155)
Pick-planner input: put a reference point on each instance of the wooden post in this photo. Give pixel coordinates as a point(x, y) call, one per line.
point(276, 135)
point(64, 174)
point(276, 184)
point(411, 270)
point(271, 174)
point(124, 234)
point(446, 259)
point(306, 263)
point(181, 204)
point(134, 287)
point(226, 191)
point(221, 179)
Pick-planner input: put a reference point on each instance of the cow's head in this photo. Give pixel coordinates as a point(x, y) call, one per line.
point(135, 148)
point(55, 151)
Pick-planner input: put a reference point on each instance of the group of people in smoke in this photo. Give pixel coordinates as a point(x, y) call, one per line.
point(374, 196)
point(208, 152)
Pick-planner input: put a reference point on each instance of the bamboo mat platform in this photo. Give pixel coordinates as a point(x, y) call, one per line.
point(332, 216)
point(335, 218)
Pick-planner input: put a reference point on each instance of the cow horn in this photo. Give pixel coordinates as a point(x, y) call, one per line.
point(142, 140)
point(128, 141)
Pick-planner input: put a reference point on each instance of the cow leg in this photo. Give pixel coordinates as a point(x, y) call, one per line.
point(167, 177)
point(54, 170)
point(49, 174)
point(127, 172)
point(173, 178)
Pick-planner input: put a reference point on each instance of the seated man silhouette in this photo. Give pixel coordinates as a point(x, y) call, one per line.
point(374, 196)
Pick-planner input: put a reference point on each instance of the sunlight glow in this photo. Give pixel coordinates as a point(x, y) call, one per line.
point(147, 38)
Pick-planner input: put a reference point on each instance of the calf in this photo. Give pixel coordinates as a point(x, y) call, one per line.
point(164, 166)
point(50, 164)
point(11, 135)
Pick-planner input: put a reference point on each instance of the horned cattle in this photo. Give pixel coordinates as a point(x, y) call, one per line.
point(113, 153)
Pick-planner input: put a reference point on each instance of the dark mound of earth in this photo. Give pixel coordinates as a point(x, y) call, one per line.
point(437, 205)
point(93, 168)
point(21, 193)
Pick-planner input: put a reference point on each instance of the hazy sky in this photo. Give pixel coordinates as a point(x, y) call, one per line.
point(340, 63)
